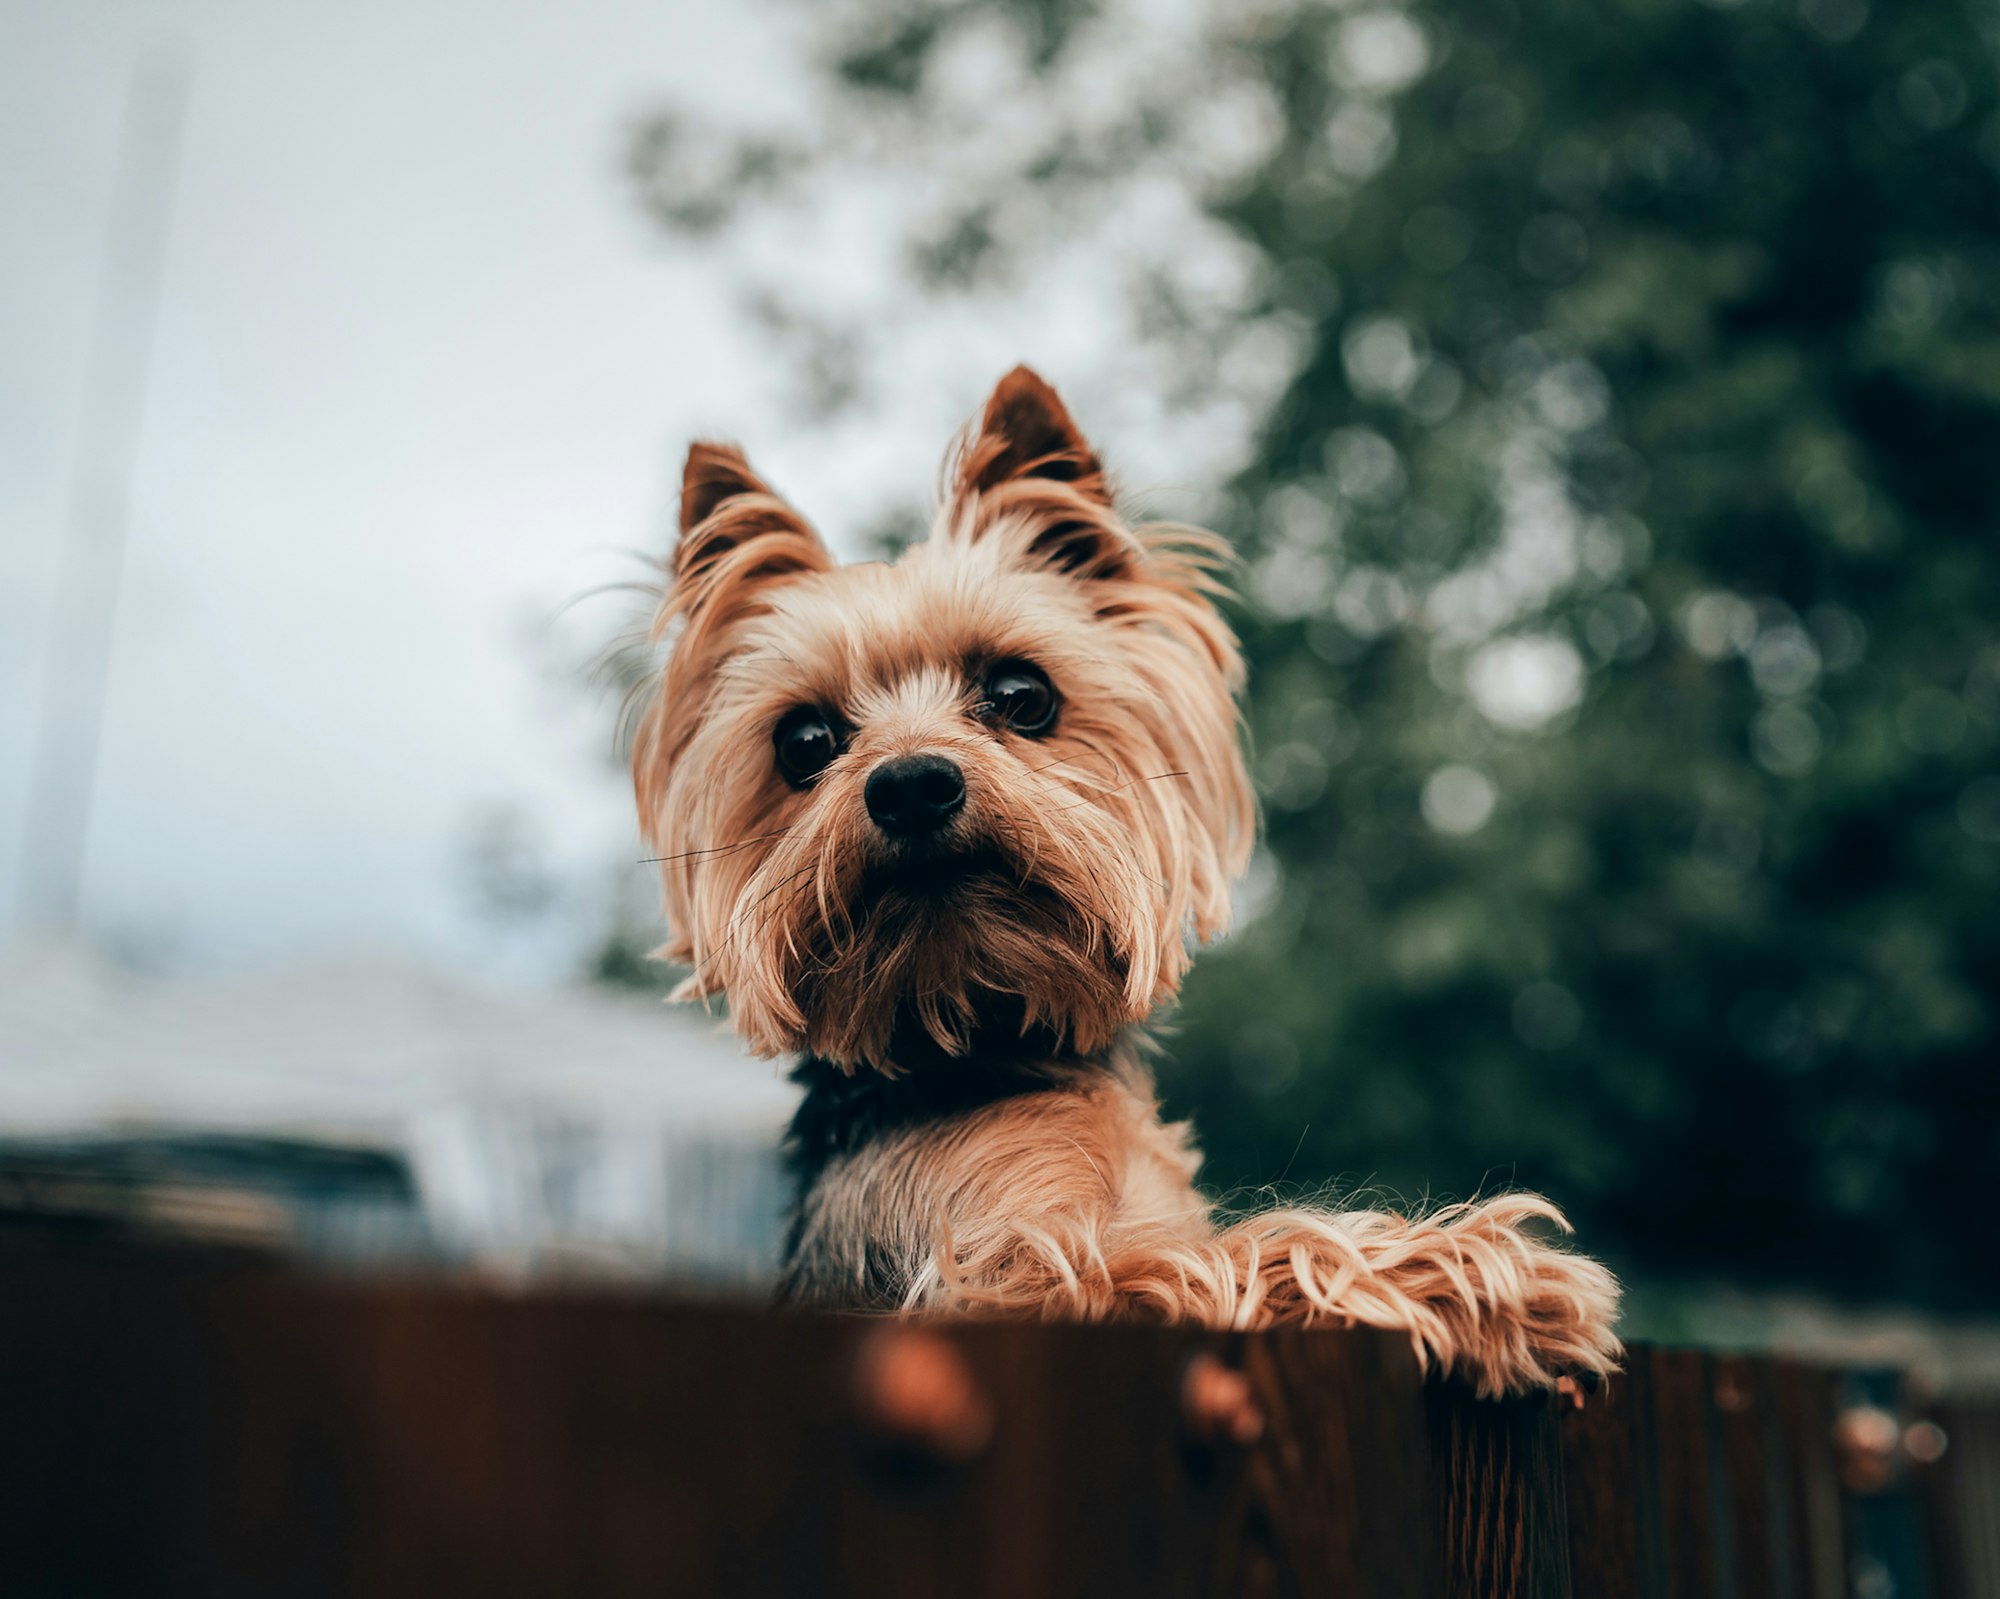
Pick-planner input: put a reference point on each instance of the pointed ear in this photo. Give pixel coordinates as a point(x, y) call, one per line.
point(1026, 465)
point(714, 473)
point(736, 537)
point(1027, 432)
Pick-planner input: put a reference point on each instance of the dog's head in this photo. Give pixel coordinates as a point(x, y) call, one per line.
point(989, 790)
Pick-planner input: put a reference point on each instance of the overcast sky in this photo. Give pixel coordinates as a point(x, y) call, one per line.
point(421, 375)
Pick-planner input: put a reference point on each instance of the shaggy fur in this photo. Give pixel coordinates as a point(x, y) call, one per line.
point(979, 1133)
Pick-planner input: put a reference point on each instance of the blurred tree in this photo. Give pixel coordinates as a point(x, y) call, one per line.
point(1622, 588)
point(504, 868)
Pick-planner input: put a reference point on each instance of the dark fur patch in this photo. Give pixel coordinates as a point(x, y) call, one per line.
point(843, 1112)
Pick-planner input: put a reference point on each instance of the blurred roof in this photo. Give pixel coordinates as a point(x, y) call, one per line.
point(575, 1128)
point(350, 1049)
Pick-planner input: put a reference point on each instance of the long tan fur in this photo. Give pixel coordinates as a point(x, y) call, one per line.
point(1085, 863)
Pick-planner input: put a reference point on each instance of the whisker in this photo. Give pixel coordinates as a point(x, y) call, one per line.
point(739, 920)
point(1050, 766)
point(1026, 859)
point(1107, 792)
point(713, 849)
point(1109, 760)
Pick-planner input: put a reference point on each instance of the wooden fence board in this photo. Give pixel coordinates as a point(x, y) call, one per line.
point(1808, 1404)
point(1611, 1489)
point(1754, 1450)
point(1334, 1499)
point(1497, 1474)
point(1960, 1492)
point(198, 1428)
point(1684, 1436)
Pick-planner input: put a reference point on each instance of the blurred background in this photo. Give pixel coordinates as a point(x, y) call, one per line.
point(1602, 395)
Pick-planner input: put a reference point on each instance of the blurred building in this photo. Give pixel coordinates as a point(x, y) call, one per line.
point(371, 1110)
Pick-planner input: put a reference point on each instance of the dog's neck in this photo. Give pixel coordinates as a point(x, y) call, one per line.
point(846, 1108)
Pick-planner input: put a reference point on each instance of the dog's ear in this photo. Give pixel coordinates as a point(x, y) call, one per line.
point(1026, 461)
point(1026, 431)
point(737, 538)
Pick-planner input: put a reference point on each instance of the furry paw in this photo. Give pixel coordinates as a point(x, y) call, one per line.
point(1483, 1294)
point(1552, 1318)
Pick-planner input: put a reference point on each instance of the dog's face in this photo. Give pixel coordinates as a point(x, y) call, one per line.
point(989, 790)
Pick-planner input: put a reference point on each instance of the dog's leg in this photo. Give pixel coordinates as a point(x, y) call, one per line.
point(1082, 1206)
point(1477, 1290)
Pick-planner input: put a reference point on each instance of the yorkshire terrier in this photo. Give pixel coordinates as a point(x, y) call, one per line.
point(947, 829)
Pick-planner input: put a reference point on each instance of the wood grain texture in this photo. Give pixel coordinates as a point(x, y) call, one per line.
point(213, 1431)
point(1961, 1499)
point(1334, 1498)
point(1498, 1496)
point(1686, 1449)
point(190, 1426)
point(1817, 1508)
point(1611, 1489)
point(1756, 1541)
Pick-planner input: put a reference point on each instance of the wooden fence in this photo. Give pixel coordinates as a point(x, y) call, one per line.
point(204, 1428)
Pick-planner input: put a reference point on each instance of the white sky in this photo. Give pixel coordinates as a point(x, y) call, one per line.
point(422, 375)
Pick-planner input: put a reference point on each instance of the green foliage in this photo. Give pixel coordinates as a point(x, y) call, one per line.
point(1624, 608)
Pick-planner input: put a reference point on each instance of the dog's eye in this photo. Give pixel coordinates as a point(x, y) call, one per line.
point(806, 742)
point(1020, 697)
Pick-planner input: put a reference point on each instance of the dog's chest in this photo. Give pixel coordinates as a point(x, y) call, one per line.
point(894, 1190)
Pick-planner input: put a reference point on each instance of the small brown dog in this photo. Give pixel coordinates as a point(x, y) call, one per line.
point(947, 828)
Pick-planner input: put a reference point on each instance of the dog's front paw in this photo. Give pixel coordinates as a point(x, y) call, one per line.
point(1480, 1290)
point(1524, 1313)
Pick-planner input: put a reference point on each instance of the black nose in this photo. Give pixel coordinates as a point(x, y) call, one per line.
point(914, 794)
